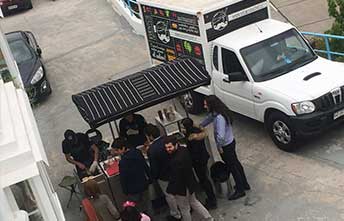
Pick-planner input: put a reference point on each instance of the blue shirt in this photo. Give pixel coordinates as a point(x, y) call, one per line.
point(223, 132)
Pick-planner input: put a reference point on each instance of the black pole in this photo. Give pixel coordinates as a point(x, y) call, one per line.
point(112, 133)
point(186, 111)
point(117, 128)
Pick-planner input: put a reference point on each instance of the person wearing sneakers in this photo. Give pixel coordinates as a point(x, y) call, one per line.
point(220, 116)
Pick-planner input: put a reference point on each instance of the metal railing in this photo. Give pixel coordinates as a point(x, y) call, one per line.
point(326, 38)
point(133, 7)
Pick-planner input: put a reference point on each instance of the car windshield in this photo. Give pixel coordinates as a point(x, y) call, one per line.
point(20, 51)
point(278, 55)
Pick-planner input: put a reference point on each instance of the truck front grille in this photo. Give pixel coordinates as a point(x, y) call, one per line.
point(330, 100)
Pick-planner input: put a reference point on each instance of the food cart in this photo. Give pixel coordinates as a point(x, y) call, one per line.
point(108, 102)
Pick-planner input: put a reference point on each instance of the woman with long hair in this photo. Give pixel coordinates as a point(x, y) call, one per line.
point(221, 117)
point(102, 204)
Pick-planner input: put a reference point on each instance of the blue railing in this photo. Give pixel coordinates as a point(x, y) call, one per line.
point(132, 6)
point(326, 38)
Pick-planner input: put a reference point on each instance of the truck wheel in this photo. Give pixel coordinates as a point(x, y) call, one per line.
point(193, 102)
point(281, 131)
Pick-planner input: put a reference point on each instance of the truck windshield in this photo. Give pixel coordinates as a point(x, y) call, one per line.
point(278, 55)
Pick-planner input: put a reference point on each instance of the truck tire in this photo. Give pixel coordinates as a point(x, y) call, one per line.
point(193, 102)
point(281, 131)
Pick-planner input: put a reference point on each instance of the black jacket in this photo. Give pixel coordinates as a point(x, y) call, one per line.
point(197, 148)
point(158, 160)
point(133, 131)
point(134, 172)
point(182, 177)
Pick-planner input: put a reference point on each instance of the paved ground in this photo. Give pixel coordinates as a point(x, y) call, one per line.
point(307, 15)
point(85, 43)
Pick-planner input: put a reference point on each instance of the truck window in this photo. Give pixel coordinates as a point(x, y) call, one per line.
point(216, 58)
point(230, 62)
point(277, 55)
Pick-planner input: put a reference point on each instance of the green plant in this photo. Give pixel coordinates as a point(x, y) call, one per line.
point(336, 10)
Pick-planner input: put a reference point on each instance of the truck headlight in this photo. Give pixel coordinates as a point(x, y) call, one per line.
point(38, 75)
point(304, 107)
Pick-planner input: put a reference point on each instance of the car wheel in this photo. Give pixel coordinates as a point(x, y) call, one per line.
point(193, 102)
point(281, 131)
point(29, 5)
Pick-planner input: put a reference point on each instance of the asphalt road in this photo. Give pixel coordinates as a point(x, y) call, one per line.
point(85, 43)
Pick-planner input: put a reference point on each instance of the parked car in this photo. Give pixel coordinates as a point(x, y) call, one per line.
point(11, 6)
point(27, 54)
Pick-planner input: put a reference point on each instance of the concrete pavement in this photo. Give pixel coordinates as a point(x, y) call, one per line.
point(307, 15)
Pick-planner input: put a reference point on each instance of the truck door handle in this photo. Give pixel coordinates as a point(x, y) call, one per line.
point(226, 79)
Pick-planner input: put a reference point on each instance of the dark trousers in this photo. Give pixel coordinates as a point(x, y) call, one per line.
point(201, 170)
point(229, 156)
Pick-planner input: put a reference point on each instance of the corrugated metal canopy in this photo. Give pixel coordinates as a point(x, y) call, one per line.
point(113, 100)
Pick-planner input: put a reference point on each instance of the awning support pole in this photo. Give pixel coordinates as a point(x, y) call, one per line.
point(112, 133)
point(186, 111)
point(117, 128)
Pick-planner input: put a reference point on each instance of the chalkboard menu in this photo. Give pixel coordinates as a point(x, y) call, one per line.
point(171, 34)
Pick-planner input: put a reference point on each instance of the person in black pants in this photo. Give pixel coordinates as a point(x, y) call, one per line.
point(200, 156)
point(220, 116)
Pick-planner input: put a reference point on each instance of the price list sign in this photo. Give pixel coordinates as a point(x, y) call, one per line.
point(171, 34)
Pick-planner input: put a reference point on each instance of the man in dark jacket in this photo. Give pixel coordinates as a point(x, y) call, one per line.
point(134, 174)
point(182, 182)
point(199, 155)
point(159, 164)
point(81, 152)
point(131, 127)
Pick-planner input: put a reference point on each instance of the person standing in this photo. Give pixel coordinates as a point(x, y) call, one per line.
point(159, 164)
point(220, 116)
point(182, 182)
point(81, 152)
point(134, 174)
point(200, 156)
point(131, 127)
point(102, 204)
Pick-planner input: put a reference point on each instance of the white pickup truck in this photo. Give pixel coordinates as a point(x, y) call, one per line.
point(261, 68)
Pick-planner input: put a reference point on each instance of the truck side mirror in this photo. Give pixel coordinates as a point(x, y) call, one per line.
point(237, 76)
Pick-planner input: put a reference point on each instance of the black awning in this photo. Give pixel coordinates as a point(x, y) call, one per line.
point(113, 100)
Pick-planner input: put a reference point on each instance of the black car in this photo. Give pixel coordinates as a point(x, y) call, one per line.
point(27, 54)
point(11, 6)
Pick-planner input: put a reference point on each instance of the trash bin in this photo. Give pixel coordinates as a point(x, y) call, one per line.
point(219, 173)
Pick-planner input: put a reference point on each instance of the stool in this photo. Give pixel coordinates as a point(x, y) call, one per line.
point(69, 183)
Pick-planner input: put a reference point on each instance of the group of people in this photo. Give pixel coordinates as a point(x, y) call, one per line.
point(171, 164)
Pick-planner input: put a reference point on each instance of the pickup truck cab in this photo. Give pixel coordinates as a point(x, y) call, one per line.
point(272, 75)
